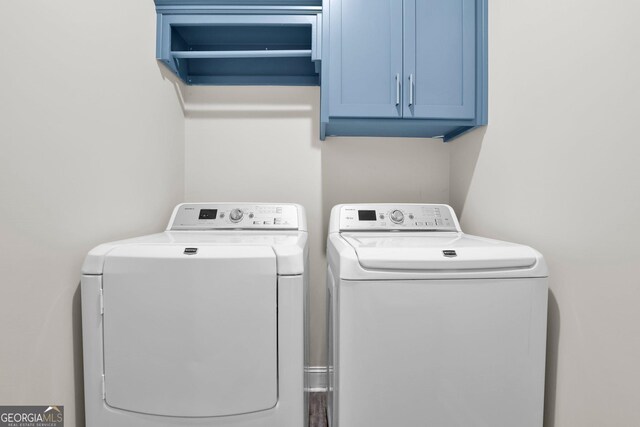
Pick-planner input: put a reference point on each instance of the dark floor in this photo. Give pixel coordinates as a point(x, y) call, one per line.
point(317, 410)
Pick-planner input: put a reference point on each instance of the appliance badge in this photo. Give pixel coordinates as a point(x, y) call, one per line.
point(190, 251)
point(449, 253)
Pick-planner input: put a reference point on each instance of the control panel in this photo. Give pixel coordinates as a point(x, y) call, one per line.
point(388, 217)
point(208, 216)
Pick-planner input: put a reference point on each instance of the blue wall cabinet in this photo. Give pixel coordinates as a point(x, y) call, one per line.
point(366, 47)
point(439, 58)
point(414, 68)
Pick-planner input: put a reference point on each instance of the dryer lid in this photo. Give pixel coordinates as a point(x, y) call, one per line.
point(289, 246)
point(437, 252)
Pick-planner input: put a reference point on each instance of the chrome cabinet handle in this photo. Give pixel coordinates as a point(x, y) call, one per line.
point(411, 90)
point(398, 87)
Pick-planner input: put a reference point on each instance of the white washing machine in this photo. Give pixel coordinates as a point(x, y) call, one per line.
point(201, 325)
point(429, 326)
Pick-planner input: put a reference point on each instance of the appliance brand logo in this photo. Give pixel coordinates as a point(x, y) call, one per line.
point(449, 253)
point(32, 416)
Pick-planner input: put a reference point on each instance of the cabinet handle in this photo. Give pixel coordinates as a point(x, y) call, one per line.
point(411, 90)
point(398, 87)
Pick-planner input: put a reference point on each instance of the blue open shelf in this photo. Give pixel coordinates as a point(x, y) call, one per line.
point(234, 47)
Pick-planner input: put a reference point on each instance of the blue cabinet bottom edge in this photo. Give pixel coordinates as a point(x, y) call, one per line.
point(396, 128)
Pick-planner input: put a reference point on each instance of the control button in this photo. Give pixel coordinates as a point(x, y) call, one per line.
point(257, 222)
point(381, 216)
point(221, 214)
point(267, 223)
point(277, 221)
point(251, 215)
point(397, 217)
point(419, 224)
point(410, 216)
point(236, 215)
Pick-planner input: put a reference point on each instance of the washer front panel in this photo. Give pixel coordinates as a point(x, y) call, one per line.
point(440, 353)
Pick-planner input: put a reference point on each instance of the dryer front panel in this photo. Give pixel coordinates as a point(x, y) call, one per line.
point(190, 333)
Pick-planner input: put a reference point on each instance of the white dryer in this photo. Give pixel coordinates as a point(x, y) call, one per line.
point(429, 326)
point(201, 325)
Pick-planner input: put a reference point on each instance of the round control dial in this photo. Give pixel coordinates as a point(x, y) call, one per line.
point(397, 217)
point(236, 215)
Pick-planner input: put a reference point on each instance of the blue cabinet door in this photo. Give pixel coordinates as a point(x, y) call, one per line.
point(439, 59)
point(365, 58)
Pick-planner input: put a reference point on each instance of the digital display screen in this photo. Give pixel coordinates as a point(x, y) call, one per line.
point(367, 215)
point(208, 213)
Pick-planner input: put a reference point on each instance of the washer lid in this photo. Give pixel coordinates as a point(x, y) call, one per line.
point(437, 252)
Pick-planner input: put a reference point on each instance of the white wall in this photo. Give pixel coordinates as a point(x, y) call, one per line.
point(91, 150)
point(262, 144)
point(558, 169)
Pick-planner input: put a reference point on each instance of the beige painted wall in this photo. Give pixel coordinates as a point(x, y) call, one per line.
point(558, 169)
point(91, 150)
point(92, 140)
point(262, 144)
